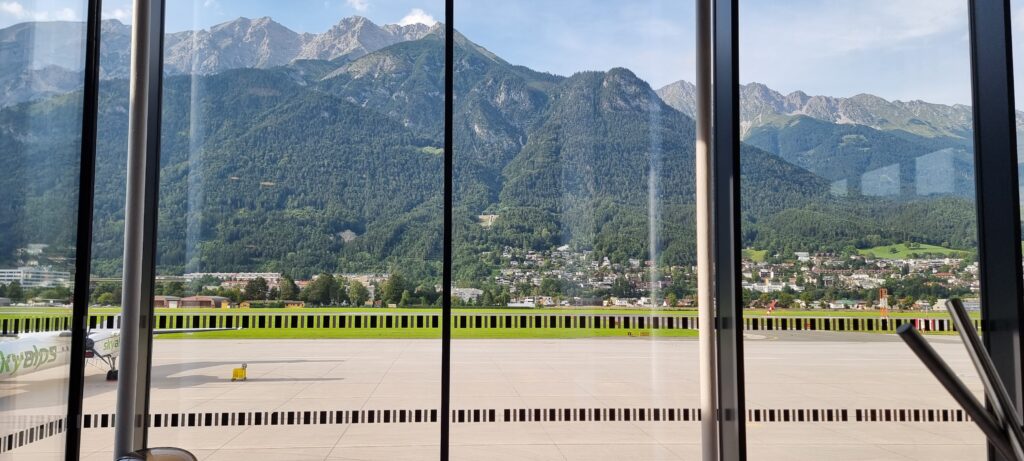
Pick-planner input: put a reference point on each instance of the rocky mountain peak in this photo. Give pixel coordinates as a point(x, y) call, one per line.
point(409, 32)
point(760, 104)
point(681, 95)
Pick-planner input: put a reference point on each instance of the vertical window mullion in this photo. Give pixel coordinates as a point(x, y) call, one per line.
point(153, 135)
point(446, 276)
point(83, 243)
point(725, 222)
point(998, 203)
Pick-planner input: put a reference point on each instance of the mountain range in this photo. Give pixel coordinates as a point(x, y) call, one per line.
point(323, 153)
point(44, 58)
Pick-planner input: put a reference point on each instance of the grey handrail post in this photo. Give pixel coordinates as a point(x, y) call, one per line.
point(705, 239)
point(140, 226)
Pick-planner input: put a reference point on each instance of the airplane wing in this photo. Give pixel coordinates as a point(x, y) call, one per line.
point(191, 330)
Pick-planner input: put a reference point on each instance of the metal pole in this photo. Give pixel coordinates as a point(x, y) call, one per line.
point(705, 256)
point(128, 420)
point(998, 397)
point(956, 388)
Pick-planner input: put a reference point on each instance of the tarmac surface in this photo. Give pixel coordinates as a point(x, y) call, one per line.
point(785, 371)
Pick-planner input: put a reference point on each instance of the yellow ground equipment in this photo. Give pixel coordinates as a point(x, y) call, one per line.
point(238, 374)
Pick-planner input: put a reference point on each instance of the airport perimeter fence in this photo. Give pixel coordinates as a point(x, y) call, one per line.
point(538, 321)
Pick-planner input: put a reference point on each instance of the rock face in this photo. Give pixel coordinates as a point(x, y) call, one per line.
point(41, 59)
point(241, 43)
point(681, 95)
point(262, 43)
point(760, 105)
point(355, 37)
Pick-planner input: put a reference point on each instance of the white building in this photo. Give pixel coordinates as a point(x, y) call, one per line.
point(467, 294)
point(35, 277)
point(273, 278)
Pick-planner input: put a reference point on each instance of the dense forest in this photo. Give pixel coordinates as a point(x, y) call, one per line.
point(860, 160)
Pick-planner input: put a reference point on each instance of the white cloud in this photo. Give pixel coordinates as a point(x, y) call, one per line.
point(359, 5)
point(18, 12)
point(12, 8)
point(66, 14)
point(417, 16)
point(837, 28)
point(906, 49)
point(121, 14)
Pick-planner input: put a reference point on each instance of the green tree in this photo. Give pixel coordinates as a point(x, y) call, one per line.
point(358, 293)
point(671, 299)
point(196, 286)
point(621, 288)
point(391, 291)
point(289, 291)
point(550, 286)
point(106, 299)
point(174, 289)
point(257, 289)
point(111, 288)
point(15, 292)
point(322, 290)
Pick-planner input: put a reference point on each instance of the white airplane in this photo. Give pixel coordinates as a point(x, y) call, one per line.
point(31, 352)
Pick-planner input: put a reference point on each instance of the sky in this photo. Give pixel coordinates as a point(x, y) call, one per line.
point(896, 49)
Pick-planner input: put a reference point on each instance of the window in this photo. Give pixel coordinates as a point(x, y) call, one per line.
point(41, 147)
point(301, 203)
point(858, 215)
point(574, 266)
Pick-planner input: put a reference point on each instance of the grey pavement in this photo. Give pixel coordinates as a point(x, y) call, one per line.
point(785, 370)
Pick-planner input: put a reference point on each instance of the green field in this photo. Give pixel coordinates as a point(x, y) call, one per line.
point(757, 256)
point(902, 251)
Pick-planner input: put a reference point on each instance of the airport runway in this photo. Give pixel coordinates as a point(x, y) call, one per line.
point(544, 393)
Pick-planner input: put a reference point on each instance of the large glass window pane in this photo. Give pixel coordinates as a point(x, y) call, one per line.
point(858, 214)
point(301, 211)
point(42, 50)
point(574, 237)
